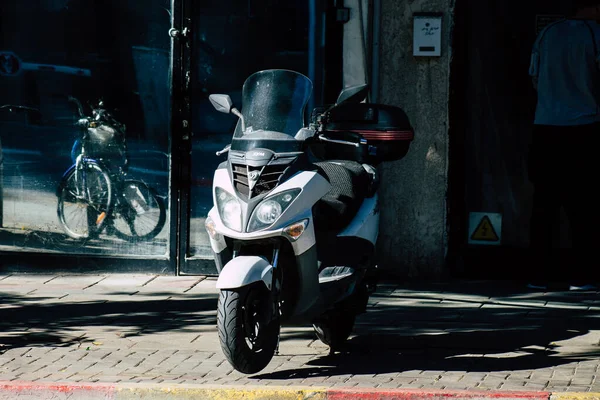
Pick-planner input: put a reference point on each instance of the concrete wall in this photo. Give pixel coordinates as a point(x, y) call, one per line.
point(355, 70)
point(413, 235)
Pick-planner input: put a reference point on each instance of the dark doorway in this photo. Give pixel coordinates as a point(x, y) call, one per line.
point(492, 108)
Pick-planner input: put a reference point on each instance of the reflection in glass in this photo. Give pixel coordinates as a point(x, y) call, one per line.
point(96, 194)
point(63, 49)
point(234, 39)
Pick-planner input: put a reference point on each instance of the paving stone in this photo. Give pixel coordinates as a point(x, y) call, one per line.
point(583, 381)
point(417, 384)
point(536, 385)
point(581, 388)
point(514, 386)
point(127, 281)
point(431, 340)
point(25, 281)
point(447, 379)
point(541, 375)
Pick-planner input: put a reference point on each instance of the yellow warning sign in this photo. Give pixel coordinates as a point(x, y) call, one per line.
point(485, 231)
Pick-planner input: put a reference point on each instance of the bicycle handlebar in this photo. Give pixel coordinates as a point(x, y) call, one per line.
point(12, 108)
point(79, 106)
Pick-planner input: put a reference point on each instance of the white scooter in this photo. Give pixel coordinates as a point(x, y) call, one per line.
point(296, 215)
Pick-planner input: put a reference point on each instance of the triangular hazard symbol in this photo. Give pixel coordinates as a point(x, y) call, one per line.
point(485, 231)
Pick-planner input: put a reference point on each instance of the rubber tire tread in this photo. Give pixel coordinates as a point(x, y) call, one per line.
point(231, 333)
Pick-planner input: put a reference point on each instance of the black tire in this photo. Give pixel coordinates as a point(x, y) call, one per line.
point(131, 225)
point(247, 350)
point(83, 208)
point(334, 328)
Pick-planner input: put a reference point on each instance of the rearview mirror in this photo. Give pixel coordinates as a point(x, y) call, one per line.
point(221, 102)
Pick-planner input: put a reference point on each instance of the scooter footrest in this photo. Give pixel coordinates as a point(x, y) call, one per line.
point(330, 274)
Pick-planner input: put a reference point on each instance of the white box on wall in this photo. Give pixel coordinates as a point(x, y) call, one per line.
point(427, 34)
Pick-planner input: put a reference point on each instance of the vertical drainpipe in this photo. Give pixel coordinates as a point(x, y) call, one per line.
point(317, 25)
point(312, 50)
point(375, 53)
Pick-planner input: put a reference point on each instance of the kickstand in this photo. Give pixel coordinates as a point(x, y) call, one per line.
point(278, 341)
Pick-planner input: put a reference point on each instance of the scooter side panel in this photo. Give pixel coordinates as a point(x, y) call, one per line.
point(365, 223)
point(309, 292)
point(313, 186)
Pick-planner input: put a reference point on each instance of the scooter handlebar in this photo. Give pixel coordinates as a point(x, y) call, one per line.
point(326, 139)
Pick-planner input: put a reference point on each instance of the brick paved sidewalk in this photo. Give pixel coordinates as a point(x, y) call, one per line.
point(148, 329)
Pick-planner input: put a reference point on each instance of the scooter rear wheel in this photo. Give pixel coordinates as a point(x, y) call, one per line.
point(247, 334)
point(335, 328)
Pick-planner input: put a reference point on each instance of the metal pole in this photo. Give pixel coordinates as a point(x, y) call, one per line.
point(375, 53)
point(312, 50)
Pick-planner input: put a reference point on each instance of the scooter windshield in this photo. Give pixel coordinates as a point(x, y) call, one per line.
point(273, 103)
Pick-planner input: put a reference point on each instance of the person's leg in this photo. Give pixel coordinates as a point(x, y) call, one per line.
point(545, 211)
point(582, 206)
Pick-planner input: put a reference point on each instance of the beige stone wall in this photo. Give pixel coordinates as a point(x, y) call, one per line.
point(413, 235)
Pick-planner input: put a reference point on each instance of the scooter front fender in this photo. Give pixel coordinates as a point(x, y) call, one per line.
point(244, 270)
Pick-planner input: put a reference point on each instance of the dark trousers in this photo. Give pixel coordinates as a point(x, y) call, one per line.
point(563, 168)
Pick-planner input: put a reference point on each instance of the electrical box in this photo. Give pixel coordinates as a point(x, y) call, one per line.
point(427, 34)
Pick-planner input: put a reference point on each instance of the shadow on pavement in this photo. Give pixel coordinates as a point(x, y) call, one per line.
point(456, 331)
point(412, 328)
point(25, 323)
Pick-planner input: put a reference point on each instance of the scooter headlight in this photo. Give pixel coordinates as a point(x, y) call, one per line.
point(230, 209)
point(267, 212)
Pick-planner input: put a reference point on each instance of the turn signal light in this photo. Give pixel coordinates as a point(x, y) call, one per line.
point(211, 228)
point(296, 230)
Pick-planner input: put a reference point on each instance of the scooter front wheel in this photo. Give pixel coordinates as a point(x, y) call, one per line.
point(247, 333)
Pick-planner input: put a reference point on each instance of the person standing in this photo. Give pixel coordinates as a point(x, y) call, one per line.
point(565, 149)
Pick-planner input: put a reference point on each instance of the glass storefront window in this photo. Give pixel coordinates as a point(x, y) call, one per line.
point(114, 51)
point(234, 39)
point(60, 191)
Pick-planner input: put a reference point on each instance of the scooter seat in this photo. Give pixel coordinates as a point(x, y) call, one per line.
point(349, 187)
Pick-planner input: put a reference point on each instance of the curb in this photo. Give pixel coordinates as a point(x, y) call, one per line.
point(93, 391)
point(415, 394)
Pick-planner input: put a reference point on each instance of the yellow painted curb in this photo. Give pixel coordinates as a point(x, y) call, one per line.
point(243, 392)
point(575, 396)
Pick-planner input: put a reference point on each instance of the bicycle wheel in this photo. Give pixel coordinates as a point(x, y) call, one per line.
point(140, 213)
point(85, 199)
